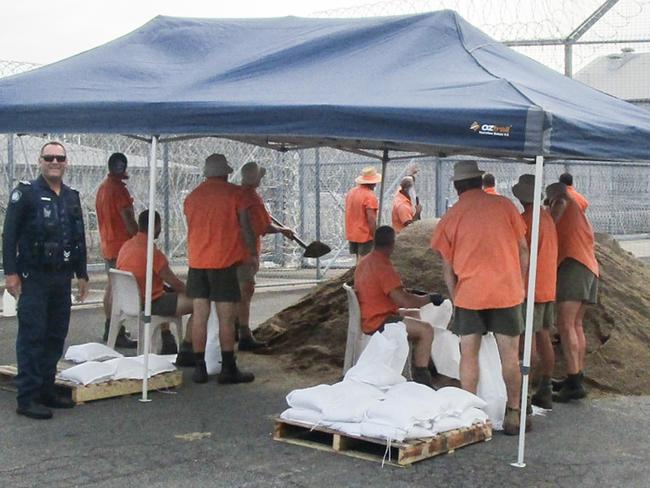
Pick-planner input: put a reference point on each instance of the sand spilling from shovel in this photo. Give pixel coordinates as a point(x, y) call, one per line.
point(312, 332)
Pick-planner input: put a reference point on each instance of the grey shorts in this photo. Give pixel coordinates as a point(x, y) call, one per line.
point(165, 304)
point(246, 274)
point(505, 321)
point(543, 316)
point(217, 285)
point(361, 248)
point(110, 264)
point(576, 283)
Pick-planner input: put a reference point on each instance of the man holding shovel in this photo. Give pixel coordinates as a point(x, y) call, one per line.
point(260, 219)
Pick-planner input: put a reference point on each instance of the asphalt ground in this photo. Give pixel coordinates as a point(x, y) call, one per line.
point(121, 442)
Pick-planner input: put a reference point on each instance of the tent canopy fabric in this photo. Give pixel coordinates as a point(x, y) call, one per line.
point(431, 83)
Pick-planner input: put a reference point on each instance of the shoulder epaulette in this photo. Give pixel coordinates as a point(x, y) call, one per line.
point(25, 182)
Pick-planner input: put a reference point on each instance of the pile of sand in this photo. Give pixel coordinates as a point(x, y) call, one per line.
point(312, 332)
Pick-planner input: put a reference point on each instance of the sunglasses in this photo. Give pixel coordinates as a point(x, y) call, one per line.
point(49, 159)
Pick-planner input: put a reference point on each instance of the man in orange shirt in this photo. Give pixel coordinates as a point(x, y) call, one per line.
point(219, 240)
point(482, 242)
point(489, 184)
point(133, 258)
point(381, 293)
point(577, 285)
point(361, 206)
point(582, 202)
point(404, 212)
point(117, 224)
point(260, 219)
point(545, 287)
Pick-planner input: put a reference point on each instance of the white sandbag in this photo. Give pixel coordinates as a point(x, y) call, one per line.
point(382, 361)
point(445, 353)
point(447, 423)
point(472, 416)
point(348, 428)
point(212, 344)
point(157, 364)
point(132, 368)
point(382, 431)
point(88, 372)
point(404, 411)
point(92, 351)
point(302, 415)
point(437, 316)
point(312, 398)
point(491, 386)
point(417, 432)
point(454, 401)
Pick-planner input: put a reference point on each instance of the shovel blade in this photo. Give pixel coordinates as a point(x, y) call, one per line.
point(316, 249)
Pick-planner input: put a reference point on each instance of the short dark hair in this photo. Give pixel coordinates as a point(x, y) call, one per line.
point(468, 184)
point(384, 236)
point(488, 180)
point(566, 178)
point(143, 220)
point(115, 162)
point(52, 143)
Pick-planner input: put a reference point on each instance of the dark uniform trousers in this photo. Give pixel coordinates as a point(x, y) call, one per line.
point(43, 318)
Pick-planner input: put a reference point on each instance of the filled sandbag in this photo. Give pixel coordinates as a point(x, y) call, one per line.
point(92, 351)
point(88, 372)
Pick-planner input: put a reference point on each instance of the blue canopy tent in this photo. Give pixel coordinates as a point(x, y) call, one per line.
point(430, 84)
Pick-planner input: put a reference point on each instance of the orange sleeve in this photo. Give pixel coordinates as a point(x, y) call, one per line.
point(440, 242)
point(389, 279)
point(123, 199)
point(159, 260)
point(371, 202)
point(405, 213)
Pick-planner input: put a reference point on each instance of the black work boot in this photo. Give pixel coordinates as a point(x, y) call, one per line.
point(35, 411)
point(168, 343)
point(230, 373)
point(422, 376)
point(572, 389)
point(200, 374)
point(511, 422)
point(249, 343)
point(55, 401)
point(124, 341)
point(185, 357)
point(543, 396)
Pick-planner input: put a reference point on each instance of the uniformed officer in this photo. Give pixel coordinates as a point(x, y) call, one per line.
point(43, 245)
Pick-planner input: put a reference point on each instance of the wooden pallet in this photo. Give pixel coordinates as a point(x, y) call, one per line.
point(99, 391)
point(402, 453)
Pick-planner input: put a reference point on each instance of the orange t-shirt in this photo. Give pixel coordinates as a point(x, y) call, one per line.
point(491, 190)
point(214, 237)
point(576, 237)
point(112, 197)
point(582, 202)
point(374, 279)
point(546, 280)
point(259, 216)
point(479, 236)
point(358, 200)
point(133, 258)
point(402, 211)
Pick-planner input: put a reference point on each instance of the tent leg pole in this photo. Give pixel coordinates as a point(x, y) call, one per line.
point(149, 273)
point(530, 307)
point(384, 163)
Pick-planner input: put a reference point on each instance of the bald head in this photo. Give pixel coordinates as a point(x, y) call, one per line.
point(406, 184)
point(555, 191)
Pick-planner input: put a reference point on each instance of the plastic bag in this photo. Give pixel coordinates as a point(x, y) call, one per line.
point(491, 386)
point(212, 345)
point(92, 351)
point(445, 353)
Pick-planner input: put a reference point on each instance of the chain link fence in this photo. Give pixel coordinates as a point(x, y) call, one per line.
point(306, 189)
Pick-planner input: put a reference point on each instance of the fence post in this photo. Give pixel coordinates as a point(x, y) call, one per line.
point(317, 203)
point(166, 243)
point(440, 190)
point(568, 59)
point(301, 197)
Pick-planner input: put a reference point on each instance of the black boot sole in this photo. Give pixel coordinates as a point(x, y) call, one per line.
point(35, 416)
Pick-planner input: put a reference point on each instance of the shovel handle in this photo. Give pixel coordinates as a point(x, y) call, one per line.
point(298, 240)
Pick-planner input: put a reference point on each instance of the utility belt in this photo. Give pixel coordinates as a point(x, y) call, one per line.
point(50, 256)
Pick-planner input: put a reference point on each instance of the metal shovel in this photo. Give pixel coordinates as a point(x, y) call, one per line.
point(315, 249)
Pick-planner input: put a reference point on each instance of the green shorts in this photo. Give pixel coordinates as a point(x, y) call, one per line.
point(543, 316)
point(246, 274)
point(360, 248)
point(217, 285)
point(165, 304)
point(576, 283)
point(505, 321)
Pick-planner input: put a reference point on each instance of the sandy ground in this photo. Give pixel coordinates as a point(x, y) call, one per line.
point(124, 443)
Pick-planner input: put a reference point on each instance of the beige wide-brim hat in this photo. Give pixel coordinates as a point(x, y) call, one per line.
point(465, 170)
point(555, 190)
point(524, 189)
point(369, 176)
point(216, 165)
point(252, 173)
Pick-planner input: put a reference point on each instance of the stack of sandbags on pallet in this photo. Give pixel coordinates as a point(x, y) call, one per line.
point(375, 400)
point(98, 363)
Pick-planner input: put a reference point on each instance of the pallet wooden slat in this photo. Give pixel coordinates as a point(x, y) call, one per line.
point(402, 453)
point(85, 393)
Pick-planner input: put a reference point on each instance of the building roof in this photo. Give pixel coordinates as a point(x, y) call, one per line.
point(625, 75)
